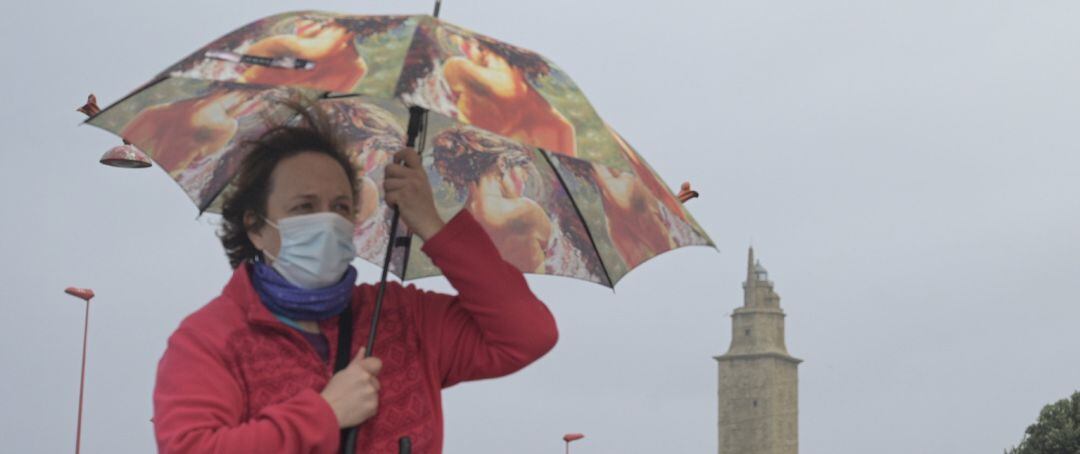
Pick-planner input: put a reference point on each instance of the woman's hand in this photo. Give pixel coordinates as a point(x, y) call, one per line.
point(353, 392)
point(407, 187)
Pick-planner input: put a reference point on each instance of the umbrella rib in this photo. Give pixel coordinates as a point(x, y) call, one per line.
point(577, 210)
point(421, 142)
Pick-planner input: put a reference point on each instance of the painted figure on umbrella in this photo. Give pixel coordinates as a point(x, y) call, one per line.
point(374, 135)
point(179, 134)
point(649, 178)
point(492, 174)
point(529, 217)
point(681, 228)
point(485, 83)
point(643, 218)
point(328, 43)
point(493, 92)
point(634, 222)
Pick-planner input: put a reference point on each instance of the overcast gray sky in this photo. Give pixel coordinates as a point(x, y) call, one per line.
point(906, 170)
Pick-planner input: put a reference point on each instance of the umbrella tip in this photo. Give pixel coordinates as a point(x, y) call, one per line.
point(91, 107)
point(685, 193)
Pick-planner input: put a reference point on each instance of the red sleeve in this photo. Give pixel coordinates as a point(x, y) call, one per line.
point(198, 406)
point(495, 325)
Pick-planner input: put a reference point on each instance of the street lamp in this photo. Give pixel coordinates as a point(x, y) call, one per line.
point(85, 294)
point(126, 155)
point(571, 437)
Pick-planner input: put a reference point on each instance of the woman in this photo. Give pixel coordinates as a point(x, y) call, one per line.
point(252, 371)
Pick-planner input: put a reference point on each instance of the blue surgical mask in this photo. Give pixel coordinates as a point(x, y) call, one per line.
point(316, 249)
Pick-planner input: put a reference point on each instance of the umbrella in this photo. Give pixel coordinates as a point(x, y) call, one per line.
point(570, 217)
point(485, 95)
point(504, 133)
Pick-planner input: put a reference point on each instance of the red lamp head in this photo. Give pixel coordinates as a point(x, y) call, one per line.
point(126, 156)
point(572, 437)
point(83, 293)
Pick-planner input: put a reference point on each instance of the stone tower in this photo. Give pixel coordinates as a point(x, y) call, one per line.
point(758, 389)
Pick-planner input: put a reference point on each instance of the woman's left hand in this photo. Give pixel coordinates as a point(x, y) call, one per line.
point(406, 186)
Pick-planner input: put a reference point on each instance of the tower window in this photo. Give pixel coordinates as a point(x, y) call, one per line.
point(747, 331)
point(755, 403)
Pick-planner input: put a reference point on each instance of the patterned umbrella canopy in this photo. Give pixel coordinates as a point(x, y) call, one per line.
point(509, 137)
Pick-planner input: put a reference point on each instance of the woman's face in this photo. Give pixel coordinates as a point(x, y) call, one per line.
point(302, 184)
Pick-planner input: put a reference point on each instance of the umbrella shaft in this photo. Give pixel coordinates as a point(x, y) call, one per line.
point(370, 345)
point(417, 127)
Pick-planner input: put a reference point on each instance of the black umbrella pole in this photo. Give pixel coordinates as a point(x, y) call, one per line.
point(417, 121)
point(370, 346)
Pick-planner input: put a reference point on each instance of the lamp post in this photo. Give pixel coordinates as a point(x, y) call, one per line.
point(84, 294)
point(571, 437)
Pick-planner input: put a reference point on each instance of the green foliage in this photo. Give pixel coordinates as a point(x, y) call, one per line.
point(1056, 432)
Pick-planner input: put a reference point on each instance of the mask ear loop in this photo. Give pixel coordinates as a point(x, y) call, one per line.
point(260, 256)
point(266, 254)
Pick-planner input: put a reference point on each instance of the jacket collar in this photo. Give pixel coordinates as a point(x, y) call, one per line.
point(242, 291)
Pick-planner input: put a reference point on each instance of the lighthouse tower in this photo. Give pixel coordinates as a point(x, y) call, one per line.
point(759, 380)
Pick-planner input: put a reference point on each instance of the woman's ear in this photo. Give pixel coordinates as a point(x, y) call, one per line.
point(255, 236)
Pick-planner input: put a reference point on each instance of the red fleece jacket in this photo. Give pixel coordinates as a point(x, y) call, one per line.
point(234, 379)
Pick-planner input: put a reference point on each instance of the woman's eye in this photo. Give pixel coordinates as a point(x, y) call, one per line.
point(307, 206)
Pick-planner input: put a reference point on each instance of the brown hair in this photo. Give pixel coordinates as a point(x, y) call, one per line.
point(425, 50)
point(310, 131)
point(463, 154)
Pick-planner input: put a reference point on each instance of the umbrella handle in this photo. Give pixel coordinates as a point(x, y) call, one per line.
point(417, 123)
point(417, 127)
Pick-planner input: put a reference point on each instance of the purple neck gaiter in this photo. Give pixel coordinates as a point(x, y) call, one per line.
point(296, 303)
